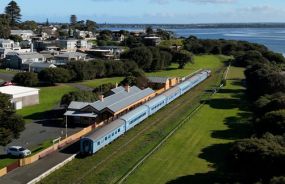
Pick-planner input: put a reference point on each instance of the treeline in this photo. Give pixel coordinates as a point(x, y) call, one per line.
point(261, 158)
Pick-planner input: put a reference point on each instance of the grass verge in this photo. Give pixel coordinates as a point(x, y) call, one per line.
point(49, 98)
point(203, 61)
point(98, 82)
point(196, 153)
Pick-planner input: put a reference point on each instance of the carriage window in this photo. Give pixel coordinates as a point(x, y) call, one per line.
point(113, 134)
point(98, 143)
point(106, 138)
point(118, 130)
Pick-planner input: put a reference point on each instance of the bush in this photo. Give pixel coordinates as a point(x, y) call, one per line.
point(28, 79)
point(55, 75)
point(82, 96)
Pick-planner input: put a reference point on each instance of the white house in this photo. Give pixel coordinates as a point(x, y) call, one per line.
point(21, 96)
point(67, 45)
point(6, 44)
point(25, 34)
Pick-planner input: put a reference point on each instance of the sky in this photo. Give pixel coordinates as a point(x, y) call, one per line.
point(153, 11)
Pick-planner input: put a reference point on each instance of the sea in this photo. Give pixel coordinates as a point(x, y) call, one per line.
point(273, 38)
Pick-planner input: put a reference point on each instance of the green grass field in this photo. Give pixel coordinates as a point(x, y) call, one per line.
point(98, 82)
point(197, 150)
point(169, 43)
point(8, 71)
point(204, 61)
point(49, 98)
point(111, 163)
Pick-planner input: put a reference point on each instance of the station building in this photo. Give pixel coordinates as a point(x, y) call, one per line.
point(121, 101)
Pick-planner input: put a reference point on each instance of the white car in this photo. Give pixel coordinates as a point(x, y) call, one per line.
point(18, 151)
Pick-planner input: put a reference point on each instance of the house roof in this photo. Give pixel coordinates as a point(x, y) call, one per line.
point(15, 90)
point(71, 55)
point(42, 65)
point(6, 41)
point(22, 32)
point(80, 114)
point(27, 55)
point(160, 80)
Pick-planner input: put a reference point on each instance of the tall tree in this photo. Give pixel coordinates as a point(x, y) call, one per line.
point(10, 123)
point(14, 12)
point(182, 58)
point(5, 29)
point(73, 20)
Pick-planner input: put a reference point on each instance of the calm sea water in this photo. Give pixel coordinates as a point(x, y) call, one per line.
point(273, 38)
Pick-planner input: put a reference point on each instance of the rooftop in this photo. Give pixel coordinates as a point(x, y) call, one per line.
point(15, 90)
point(71, 55)
point(116, 102)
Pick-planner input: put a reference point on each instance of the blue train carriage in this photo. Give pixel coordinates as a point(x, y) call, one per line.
point(135, 116)
point(172, 94)
point(155, 104)
point(184, 86)
point(102, 137)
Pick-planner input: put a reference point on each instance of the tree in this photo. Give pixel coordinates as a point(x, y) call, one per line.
point(14, 13)
point(136, 78)
point(16, 38)
point(82, 96)
point(28, 79)
point(11, 124)
point(5, 29)
point(262, 157)
point(142, 56)
point(73, 20)
point(104, 89)
point(47, 23)
point(91, 25)
point(55, 75)
point(149, 30)
point(182, 58)
point(273, 122)
point(30, 25)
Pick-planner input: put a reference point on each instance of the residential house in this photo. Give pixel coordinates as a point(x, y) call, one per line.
point(38, 67)
point(67, 45)
point(152, 40)
point(24, 34)
point(65, 57)
point(22, 61)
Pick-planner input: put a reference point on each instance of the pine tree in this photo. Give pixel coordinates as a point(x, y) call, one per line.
point(14, 13)
point(73, 20)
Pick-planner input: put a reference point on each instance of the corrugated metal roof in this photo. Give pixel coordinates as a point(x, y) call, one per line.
point(118, 89)
point(29, 55)
point(160, 80)
point(22, 32)
point(71, 55)
point(42, 65)
point(118, 105)
point(80, 114)
point(78, 105)
point(134, 112)
point(110, 100)
point(99, 133)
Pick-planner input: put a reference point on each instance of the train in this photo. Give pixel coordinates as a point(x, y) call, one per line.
point(110, 132)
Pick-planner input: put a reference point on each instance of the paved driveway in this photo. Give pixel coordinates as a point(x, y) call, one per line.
point(6, 76)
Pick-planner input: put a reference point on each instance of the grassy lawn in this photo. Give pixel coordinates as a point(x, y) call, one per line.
point(49, 98)
point(204, 61)
point(197, 150)
point(8, 71)
point(112, 162)
point(98, 82)
point(169, 43)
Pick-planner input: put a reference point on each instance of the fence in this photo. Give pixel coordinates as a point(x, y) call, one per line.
point(31, 159)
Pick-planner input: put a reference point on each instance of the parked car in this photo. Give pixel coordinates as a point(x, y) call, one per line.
point(7, 84)
point(18, 151)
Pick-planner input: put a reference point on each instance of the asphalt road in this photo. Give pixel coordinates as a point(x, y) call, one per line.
point(37, 133)
point(6, 76)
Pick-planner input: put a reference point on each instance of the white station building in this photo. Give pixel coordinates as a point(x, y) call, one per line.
point(21, 96)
